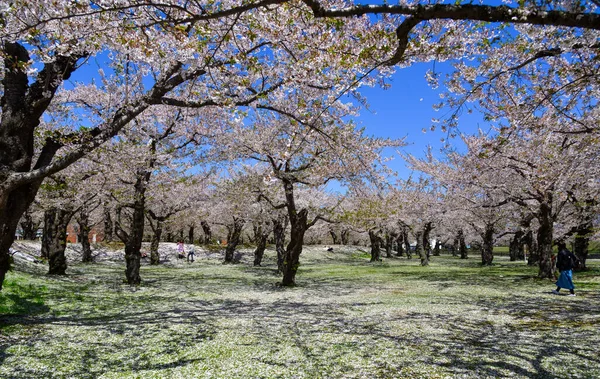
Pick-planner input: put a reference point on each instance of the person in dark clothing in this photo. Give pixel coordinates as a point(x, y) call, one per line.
point(565, 262)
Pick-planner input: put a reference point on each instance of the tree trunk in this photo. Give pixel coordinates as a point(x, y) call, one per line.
point(436, 249)
point(388, 245)
point(191, 234)
point(532, 248)
point(108, 225)
point(156, 235)
point(407, 244)
point(344, 235)
point(420, 250)
point(207, 233)
point(49, 219)
point(426, 244)
point(515, 248)
point(279, 225)
point(400, 241)
point(582, 242)
point(462, 246)
point(291, 262)
point(233, 239)
point(334, 237)
point(544, 238)
point(13, 203)
point(261, 244)
point(375, 246)
point(57, 241)
point(84, 235)
point(455, 247)
point(23, 105)
point(133, 239)
point(28, 226)
point(487, 248)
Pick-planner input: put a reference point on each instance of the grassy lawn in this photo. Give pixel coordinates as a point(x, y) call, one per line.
point(347, 318)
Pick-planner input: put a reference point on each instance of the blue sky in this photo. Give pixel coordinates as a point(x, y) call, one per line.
point(403, 110)
point(406, 109)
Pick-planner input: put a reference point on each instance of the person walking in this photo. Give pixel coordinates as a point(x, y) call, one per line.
point(190, 254)
point(565, 262)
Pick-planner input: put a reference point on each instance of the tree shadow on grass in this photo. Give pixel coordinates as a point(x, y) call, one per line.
point(148, 330)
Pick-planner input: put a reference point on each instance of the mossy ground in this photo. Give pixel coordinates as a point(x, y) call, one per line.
point(347, 318)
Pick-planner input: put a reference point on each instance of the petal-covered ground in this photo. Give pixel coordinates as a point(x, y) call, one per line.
point(347, 318)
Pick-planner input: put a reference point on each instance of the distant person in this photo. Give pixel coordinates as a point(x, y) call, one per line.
point(190, 254)
point(565, 262)
point(180, 251)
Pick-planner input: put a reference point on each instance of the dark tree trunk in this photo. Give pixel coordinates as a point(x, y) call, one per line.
point(22, 107)
point(462, 246)
point(279, 226)
point(191, 234)
point(436, 249)
point(487, 248)
point(344, 236)
point(298, 226)
point(515, 248)
point(584, 229)
point(531, 242)
point(180, 234)
point(334, 237)
point(389, 240)
point(375, 246)
point(156, 235)
point(108, 225)
point(256, 230)
point(13, 204)
point(28, 226)
point(57, 240)
point(233, 239)
point(133, 239)
point(406, 244)
point(455, 247)
point(426, 244)
point(544, 238)
point(49, 220)
point(420, 250)
point(170, 236)
point(291, 262)
point(261, 244)
point(582, 243)
point(207, 232)
point(400, 241)
point(84, 235)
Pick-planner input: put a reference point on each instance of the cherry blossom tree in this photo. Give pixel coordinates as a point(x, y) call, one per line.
point(193, 54)
point(371, 210)
point(536, 170)
point(307, 148)
point(73, 191)
point(180, 54)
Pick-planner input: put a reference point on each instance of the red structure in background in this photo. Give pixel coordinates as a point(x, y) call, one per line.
point(96, 234)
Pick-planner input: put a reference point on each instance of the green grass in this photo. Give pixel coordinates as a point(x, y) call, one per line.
point(22, 296)
point(347, 318)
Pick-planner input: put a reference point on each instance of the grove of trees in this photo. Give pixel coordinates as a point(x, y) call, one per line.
point(126, 113)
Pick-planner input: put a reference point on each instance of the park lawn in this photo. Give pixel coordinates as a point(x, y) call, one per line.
point(347, 318)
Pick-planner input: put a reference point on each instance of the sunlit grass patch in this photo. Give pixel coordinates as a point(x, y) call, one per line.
point(22, 296)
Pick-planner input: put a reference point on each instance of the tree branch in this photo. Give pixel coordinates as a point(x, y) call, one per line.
point(488, 13)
